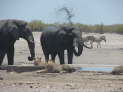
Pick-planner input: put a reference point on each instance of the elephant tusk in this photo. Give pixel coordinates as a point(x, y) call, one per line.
point(30, 39)
point(87, 46)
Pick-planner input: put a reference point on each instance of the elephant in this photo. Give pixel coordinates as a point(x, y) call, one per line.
point(56, 39)
point(10, 31)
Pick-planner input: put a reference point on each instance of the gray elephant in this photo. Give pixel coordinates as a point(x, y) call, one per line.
point(10, 31)
point(55, 40)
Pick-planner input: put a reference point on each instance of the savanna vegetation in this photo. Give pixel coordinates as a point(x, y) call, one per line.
point(37, 25)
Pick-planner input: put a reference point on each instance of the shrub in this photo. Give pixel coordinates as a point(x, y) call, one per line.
point(36, 25)
point(117, 70)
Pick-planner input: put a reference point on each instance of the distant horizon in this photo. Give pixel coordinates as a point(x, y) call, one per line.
point(61, 23)
point(107, 12)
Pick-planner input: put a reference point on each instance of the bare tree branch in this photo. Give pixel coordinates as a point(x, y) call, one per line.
point(69, 14)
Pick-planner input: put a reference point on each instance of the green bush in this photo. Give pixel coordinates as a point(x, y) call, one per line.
point(36, 25)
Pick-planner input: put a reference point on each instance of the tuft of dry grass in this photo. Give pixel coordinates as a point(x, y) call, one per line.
point(117, 70)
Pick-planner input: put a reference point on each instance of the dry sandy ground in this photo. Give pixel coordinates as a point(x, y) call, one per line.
point(110, 54)
point(63, 82)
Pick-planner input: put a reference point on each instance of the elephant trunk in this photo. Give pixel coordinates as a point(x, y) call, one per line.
point(80, 48)
point(31, 45)
point(79, 52)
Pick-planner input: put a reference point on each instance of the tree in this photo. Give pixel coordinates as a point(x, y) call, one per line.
point(69, 14)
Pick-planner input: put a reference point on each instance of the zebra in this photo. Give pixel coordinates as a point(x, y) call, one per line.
point(88, 39)
point(98, 40)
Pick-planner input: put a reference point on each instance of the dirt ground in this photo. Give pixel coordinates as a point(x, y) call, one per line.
point(110, 54)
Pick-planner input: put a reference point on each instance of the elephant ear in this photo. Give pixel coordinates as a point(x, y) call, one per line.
point(13, 31)
point(20, 24)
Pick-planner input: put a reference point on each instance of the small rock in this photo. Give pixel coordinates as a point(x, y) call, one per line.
point(31, 86)
point(20, 83)
point(69, 85)
point(1, 78)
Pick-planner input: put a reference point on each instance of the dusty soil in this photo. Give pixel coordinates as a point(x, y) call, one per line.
point(110, 54)
point(60, 82)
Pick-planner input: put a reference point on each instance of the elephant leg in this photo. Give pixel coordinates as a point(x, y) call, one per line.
point(70, 56)
point(46, 57)
point(2, 54)
point(10, 55)
point(53, 55)
point(61, 57)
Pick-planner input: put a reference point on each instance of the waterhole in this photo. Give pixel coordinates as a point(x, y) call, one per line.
point(98, 69)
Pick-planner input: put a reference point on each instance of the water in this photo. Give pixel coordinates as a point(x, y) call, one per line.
point(98, 69)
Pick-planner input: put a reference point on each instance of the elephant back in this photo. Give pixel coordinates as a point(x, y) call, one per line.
point(50, 28)
point(2, 24)
point(18, 23)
